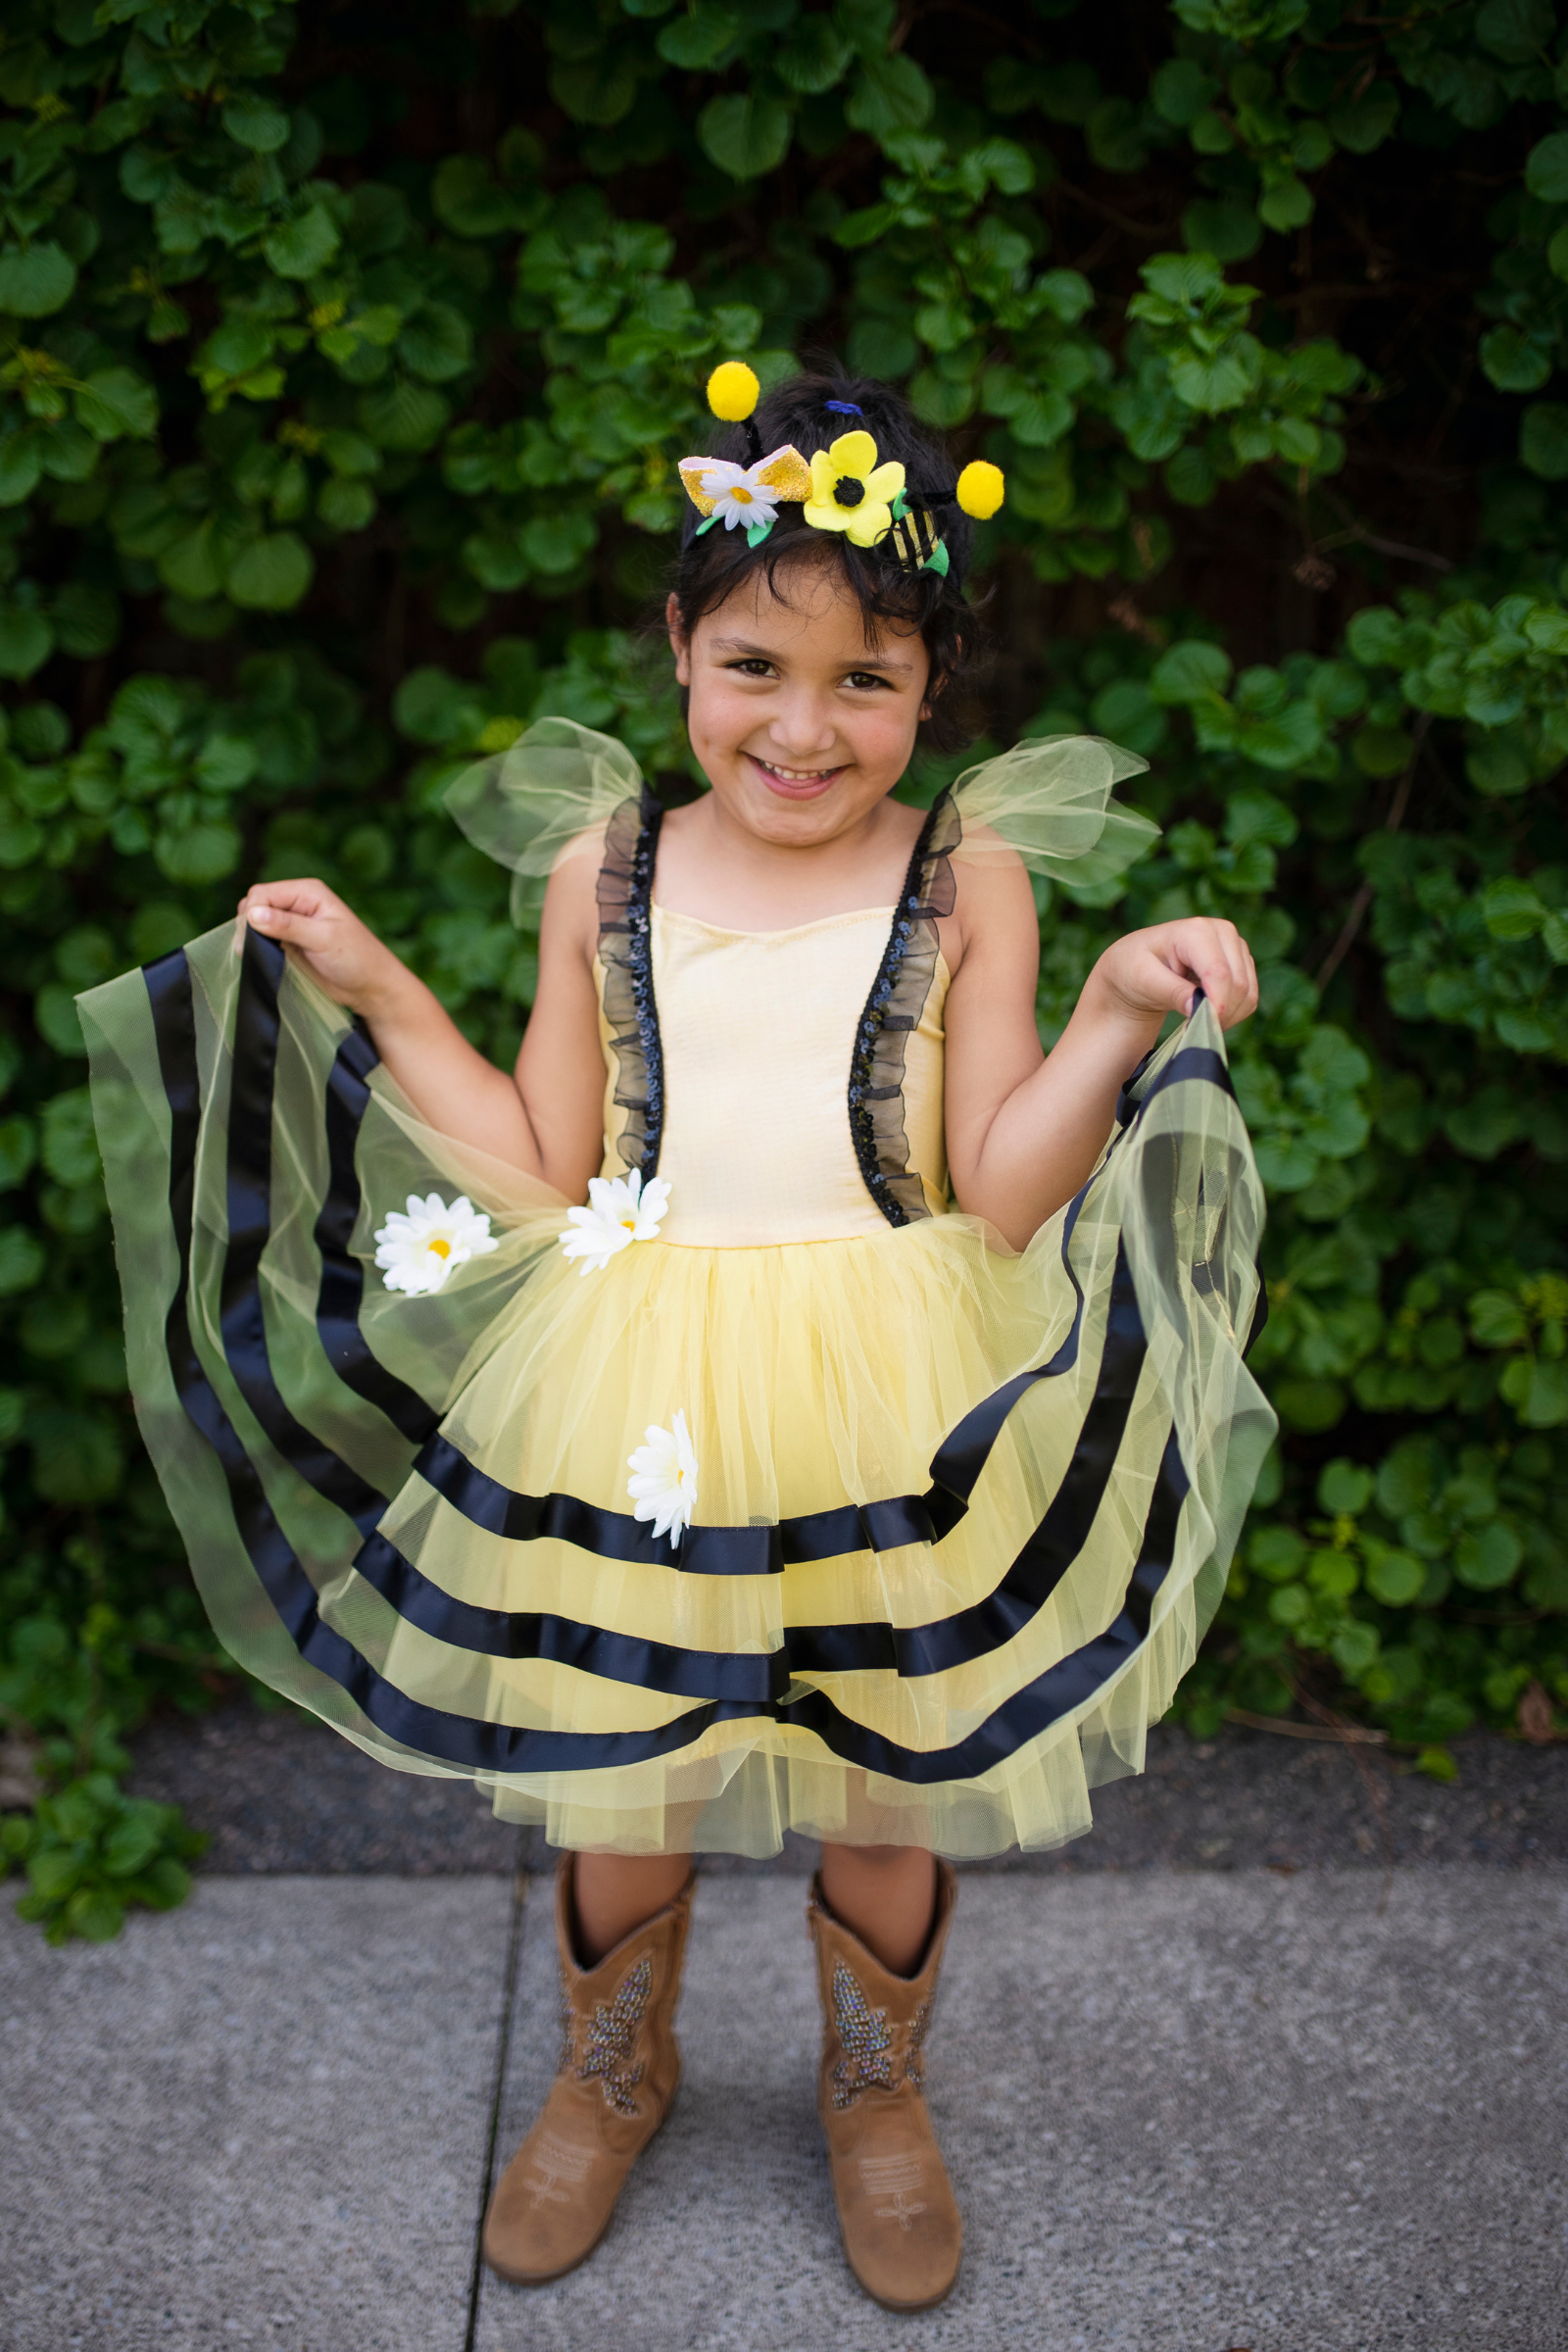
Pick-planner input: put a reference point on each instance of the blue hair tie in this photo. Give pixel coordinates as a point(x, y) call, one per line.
point(843, 407)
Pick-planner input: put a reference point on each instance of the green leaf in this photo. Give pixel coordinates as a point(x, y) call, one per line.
point(1344, 1488)
point(465, 196)
point(23, 1260)
point(18, 1147)
point(303, 246)
point(1511, 908)
point(255, 123)
point(193, 565)
point(36, 279)
point(1484, 1558)
point(198, 853)
point(700, 39)
point(890, 94)
point(1309, 1406)
point(746, 136)
point(226, 762)
point(346, 506)
point(1395, 1577)
point(1497, 1320)
point(21, 466)
point(558, 543)
point(1287, 205)
point(1543, 440)
point(1181, 90)
point(1363, 122)
point(813, 55)
point(404, 416)
point(27, 640)
point(86, 620)
point(1516, 362)
point(1189, 671)
point(1214, 382)
point(1516, 31)
point(70, 1138)
point(112, 402)
point(1542, 1400)
point(95, 1913)
point(270, 574)
point(1499, 767)
point(1222, 230)
point(600, 91)
point(77, 1458)
point(1547, 169)
point(437, 343)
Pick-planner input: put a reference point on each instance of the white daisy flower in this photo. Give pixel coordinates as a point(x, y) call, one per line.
point(417, 1252)
point(746, 497)
point(621, 1210)
point(664, 1488)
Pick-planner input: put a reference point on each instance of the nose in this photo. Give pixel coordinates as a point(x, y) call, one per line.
point(802, 727)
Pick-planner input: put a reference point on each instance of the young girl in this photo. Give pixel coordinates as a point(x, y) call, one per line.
point(865, 1457)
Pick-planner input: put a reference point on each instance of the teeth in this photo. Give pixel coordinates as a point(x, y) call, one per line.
point(795, 775)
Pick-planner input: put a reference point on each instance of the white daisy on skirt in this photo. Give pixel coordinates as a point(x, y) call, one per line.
point(663, 1487)
point(621, 1210)
point(417, 1252)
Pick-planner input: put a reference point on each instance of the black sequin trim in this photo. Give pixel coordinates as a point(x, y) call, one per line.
point(891, 1010)
point(627, 951)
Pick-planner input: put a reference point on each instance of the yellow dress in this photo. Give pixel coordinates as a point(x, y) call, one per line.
point(963, 1513)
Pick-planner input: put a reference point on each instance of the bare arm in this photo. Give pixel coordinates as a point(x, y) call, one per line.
point(1024, 1130)
point(547, 1116)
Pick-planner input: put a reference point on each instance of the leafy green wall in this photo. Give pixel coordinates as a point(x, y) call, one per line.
point(346, 356)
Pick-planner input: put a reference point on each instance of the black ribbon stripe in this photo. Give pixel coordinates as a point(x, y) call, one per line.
point(342, 1287)
point(250, 1190)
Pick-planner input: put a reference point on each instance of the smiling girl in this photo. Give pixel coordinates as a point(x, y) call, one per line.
point(922, 1347)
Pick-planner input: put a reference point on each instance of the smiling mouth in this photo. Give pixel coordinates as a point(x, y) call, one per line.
point(795, 780)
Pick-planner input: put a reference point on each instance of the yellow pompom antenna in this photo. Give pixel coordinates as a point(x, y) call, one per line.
point(982, 487)
point(733, 392)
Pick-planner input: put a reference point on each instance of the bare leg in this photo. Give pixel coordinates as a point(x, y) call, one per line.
point(887, 1897)
point(615, 1892)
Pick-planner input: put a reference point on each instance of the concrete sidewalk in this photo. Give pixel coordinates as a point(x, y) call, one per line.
point(1182, 2111)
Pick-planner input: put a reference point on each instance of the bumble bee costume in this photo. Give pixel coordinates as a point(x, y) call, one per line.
point(768, 1490)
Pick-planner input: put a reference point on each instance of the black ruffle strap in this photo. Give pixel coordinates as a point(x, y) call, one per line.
point(626, 949)
point(893, 1011)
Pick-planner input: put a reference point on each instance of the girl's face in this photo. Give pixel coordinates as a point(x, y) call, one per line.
point(799, 724)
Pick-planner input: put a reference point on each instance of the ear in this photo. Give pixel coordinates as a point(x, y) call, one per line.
point(680, 645)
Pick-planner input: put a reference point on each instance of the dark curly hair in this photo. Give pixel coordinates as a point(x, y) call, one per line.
point(711, 568)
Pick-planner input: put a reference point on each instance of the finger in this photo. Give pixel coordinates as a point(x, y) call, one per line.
point(312, 932)
point(303, 895)
point(1171, 985)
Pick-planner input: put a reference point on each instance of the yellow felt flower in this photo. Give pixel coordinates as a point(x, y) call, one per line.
point(851, 492)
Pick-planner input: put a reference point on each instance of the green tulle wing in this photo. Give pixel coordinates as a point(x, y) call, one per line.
point(525, 807)
point(1049, 800)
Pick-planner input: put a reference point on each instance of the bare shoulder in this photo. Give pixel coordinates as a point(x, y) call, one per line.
point(569, 926)
point(993, 920)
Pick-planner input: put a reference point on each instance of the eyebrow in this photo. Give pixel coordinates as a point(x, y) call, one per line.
point(768, 653)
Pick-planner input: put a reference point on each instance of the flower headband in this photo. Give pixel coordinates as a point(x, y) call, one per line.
point(845, 487)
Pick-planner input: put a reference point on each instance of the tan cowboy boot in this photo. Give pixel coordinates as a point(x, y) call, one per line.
point(620, 2065)
point(901, 2229)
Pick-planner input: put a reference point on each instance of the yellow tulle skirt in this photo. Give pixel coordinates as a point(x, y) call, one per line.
point(963, 1513)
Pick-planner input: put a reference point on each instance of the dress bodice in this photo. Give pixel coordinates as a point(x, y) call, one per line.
point(788, 1085)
